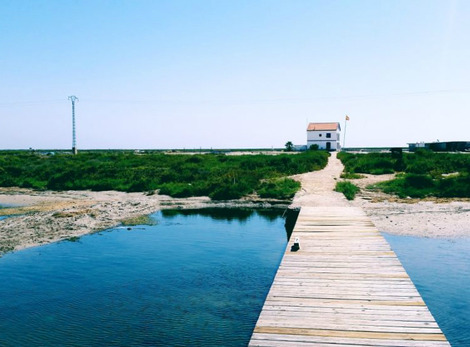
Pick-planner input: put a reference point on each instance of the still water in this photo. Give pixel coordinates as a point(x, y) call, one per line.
point(440, 269)
point(195, 278)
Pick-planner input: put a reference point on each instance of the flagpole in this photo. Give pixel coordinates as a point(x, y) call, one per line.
point(344, 136)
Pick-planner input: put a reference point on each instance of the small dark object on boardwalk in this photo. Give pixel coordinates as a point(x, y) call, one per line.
point(295, 247)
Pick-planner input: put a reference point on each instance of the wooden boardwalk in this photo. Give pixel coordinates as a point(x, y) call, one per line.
point(344, 287)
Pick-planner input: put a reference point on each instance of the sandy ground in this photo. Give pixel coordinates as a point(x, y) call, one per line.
point(43, 216)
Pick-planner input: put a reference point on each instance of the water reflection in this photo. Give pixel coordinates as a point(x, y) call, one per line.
point(240, 214)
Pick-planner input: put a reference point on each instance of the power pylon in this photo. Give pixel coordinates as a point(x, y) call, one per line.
point(73, 98)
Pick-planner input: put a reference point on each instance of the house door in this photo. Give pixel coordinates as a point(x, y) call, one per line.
point(328, 146)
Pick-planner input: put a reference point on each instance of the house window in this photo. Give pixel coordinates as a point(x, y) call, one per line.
point(319, 135)
point(328, 135)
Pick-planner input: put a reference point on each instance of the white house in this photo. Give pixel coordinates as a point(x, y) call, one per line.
point(325, 135)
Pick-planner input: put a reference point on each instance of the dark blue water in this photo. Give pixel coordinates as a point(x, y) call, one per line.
point(440, 269)
point(196, 279)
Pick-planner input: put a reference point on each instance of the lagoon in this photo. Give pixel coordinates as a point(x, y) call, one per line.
point(194, 278)
point(440, 270)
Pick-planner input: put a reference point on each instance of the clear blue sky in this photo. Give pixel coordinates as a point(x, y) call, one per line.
point(232, 74)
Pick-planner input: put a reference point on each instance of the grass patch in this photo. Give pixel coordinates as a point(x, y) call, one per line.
point(279, 188)
point(421, 186)
point(139, 220)
point(351, 176)
point(348, 189)
point(422, 174)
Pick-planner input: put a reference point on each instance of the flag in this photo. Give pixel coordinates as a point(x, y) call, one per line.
point(347, 117)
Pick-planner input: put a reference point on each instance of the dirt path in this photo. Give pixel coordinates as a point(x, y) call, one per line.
point(318, 186)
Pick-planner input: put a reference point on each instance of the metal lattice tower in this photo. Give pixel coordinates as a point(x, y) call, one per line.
point(73, 98)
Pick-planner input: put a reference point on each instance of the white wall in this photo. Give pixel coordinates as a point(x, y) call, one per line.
point(320, 138)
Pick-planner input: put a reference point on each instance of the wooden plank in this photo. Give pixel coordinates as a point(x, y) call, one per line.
point(260, 339)
point(352, 333)
point(345, 286)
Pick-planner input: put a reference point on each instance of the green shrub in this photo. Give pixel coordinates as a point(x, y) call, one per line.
point(409, 185)
point(215, 175)
point(456, 186)
point(313, 147)
point(351, 176)
point(423, 172)
point(177, 190)
point(279, 188)
point(348, 189)
point(418, 181)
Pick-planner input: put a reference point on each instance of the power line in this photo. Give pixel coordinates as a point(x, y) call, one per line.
point(263, 100)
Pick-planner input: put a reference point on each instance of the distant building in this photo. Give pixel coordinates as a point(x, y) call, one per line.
point(300, 148)
point(325, 135)
point(447, 146)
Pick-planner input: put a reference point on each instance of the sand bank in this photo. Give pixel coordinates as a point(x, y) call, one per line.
point(41, 217)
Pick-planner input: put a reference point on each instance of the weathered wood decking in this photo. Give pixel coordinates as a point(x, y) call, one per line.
point(344, 287)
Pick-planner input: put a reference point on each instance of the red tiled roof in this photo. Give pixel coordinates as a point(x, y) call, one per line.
point(323, 127)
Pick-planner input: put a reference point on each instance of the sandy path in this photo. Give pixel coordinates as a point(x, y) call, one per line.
point(318, 186)
point(397, 216)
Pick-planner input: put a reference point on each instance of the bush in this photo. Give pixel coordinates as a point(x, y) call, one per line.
point(214, 175)
point(280, 188)
point(423, 172)
point(418, 181)
point(351, 176)
point(457, 186)
point(348, 189)
point(314, 147)
point(409, 185)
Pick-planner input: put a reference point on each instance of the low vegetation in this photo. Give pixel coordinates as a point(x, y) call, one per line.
point(348, 189)
point(351, 176)
point(139, 220)
point(218, 176)
point(284, 188)
point(420, 174)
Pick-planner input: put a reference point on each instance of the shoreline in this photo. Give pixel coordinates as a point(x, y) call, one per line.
point(42, 217)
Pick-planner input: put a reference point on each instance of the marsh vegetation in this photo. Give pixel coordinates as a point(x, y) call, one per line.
point(421, 174)
point(218, 176)
point(348, 189)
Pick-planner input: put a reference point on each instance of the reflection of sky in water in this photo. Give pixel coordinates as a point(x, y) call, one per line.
point(440, 269)
point(189, 280)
